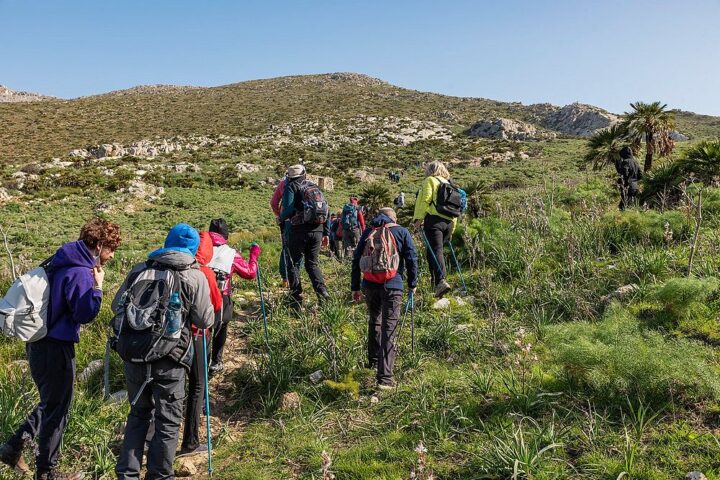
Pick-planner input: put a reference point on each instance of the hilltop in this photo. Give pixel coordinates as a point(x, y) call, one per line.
point(12, 96)
point(36, 131)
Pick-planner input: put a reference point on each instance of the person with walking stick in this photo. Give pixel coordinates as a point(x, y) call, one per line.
point(384, 254)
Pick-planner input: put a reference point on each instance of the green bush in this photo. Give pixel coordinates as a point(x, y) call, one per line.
point(616, 357)
point(594, 191)
point(679, 295)
point(644, 227)
point(686, 307)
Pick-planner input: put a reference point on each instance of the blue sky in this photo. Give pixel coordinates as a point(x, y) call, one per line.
point(606, 53)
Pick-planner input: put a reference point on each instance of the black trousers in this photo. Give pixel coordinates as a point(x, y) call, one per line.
point(52, 366)
point(384, 313)
point(305, 245)
point(219, 337)
point(195, 397)
point(438, 231)
point(162, 399)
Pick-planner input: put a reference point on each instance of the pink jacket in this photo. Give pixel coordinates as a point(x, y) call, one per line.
point(247, 269)
point(276, 200)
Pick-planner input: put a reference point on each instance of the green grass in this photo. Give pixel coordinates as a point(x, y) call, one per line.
point(533, 375)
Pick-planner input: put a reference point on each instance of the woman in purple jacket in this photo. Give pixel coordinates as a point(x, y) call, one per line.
point(76, 279)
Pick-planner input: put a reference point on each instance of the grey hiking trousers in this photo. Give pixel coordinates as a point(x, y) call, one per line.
point(162, 399)
point(383, 315)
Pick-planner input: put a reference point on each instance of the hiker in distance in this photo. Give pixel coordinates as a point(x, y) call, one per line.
point(75, 276)
point(399, 201)
point(353, 225)
point(304, 205)
point(629, 174)
point(437, 227)
point(384, 254)
point(196, 381)
point(226, 262)
point(154, 308)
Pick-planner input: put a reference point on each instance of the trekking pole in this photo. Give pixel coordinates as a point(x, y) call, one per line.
point(207, 403)
point(457, 265)
point(106, 371)
point(411, 301)
point(402, 322)
point(262, 308)
point(432, 253)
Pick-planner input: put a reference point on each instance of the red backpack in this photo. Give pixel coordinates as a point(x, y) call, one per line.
point(380, 258)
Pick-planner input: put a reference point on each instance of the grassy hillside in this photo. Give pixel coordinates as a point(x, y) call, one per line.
point(39, 130)
point(546, 369)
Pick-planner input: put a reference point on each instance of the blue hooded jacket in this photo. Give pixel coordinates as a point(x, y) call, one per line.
point(406, 249)
point(73, 300)
point(181, 238)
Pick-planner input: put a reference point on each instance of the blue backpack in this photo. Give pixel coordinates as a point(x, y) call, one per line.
point(350, 217)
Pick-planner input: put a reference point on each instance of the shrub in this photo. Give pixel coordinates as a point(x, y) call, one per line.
point(646, 228)
point(591, 192)
point(615, 358)
point(685, 307)
point(679, 295)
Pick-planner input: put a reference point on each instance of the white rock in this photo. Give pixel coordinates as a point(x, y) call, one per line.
point(118, 397)
point(93, 368)
point(504, 128)
point(246, 167)
point(441, 304)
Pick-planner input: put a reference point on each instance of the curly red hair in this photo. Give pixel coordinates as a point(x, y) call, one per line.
point(99, 231)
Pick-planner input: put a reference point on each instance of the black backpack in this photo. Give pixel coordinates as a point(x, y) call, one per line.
point(151, 317)
point(315, 209)
point(451, 200)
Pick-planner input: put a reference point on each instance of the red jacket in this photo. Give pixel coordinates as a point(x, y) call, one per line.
point(247, 269)
point(203, 256)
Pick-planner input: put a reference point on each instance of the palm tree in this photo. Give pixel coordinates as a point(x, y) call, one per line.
point(375, 196)
point(604, 146)
point(652, 123)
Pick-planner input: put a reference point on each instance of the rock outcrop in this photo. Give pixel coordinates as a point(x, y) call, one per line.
point(12, 96)
point(505, 129)
point(576, 119)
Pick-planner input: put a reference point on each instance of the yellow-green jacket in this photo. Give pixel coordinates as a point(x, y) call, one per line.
point(427, 199)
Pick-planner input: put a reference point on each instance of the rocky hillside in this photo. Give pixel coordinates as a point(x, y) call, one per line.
point(12, 96)
point(321, 109)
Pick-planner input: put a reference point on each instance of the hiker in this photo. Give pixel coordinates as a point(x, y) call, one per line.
point(226, 262)
point(196, 376)
point(165, 294)
point(353, 224)
point(336, 230)
point(629, 174)
point(383, 287)
point(437, 227)
point(305, 206)
point(75, 276)
point(399, 201)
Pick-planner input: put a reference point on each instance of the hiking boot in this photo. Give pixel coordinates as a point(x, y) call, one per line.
point(442, 288)
point(216, 368)
point(386, 386)
point(285, 284)
point(55, 475)
point(13, 459)
point(187, 451)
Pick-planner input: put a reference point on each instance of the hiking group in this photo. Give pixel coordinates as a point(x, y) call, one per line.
point(171, 312)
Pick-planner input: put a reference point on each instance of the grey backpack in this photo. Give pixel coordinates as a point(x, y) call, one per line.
point(150, 317)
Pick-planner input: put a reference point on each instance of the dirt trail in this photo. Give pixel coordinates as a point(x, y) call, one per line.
point(226, 420)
